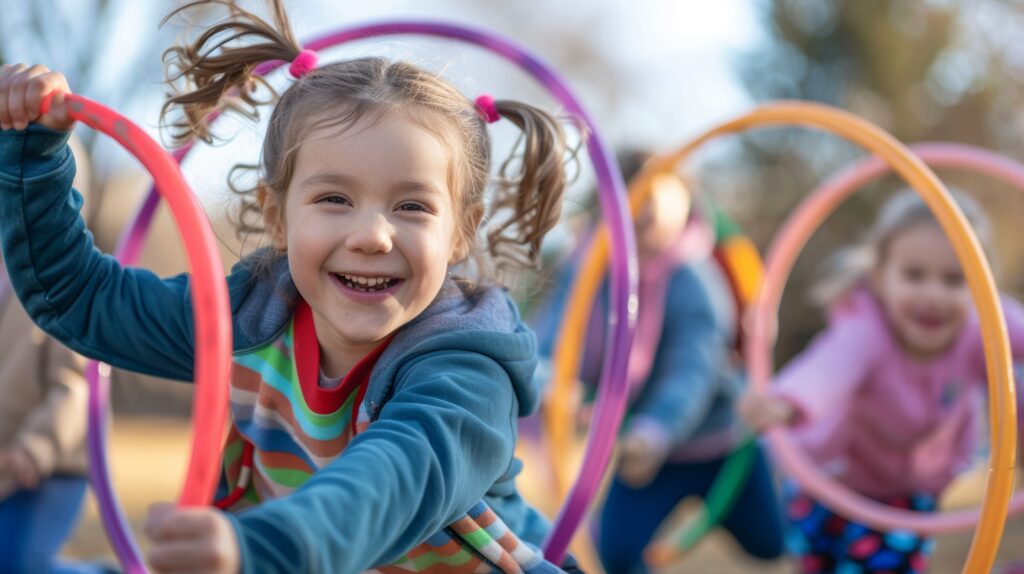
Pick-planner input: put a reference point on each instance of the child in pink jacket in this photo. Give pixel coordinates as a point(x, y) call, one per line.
point(886, 399)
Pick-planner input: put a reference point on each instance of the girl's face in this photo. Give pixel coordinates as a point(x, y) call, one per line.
point(922, 290)
point(663, 217)
point(369, 228)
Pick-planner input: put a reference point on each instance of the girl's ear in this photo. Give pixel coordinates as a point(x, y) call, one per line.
point(273, 218)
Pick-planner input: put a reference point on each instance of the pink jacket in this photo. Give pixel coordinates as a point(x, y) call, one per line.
point(883, 423)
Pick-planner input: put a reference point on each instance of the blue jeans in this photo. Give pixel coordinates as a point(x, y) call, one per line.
point(35, 523)
point(631, 516)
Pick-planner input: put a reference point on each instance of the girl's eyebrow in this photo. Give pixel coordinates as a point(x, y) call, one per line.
point(425, 187)
point(331, 178)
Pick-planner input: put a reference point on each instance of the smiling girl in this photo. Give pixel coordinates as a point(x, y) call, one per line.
point(886, 399)
point(376, 383)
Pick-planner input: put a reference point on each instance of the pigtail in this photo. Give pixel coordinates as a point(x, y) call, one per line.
point(530, 187)
point(216, 75)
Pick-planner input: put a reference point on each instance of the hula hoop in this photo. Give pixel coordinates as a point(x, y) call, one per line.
point(790, 241)
point(611, 399)
point(999, 486)
point(739, 259)
point(211, 314)
point(719, 502)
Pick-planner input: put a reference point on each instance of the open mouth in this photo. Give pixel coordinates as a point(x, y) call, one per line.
point(930, 322)
point(366, 284)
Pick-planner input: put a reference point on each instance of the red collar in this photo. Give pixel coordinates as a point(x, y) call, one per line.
point(307, 365)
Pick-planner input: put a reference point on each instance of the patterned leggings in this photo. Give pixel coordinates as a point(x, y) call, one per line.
point(824, 542)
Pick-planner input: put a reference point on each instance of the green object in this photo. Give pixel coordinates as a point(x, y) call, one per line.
point(724, 226)
point(722, 496)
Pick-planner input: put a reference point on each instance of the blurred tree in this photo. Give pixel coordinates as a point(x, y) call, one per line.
point(108, 49)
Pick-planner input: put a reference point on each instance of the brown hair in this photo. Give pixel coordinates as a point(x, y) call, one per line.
point(220, 62)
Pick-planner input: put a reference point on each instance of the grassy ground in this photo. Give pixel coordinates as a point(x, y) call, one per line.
point(148, 460)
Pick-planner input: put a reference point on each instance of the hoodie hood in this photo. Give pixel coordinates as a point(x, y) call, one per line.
point(484, 320)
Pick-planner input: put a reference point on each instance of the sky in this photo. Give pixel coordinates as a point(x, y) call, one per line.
point(650, 73)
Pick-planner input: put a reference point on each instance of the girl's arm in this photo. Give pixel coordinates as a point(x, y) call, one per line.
point(440, 443)
point(826, 375)
point(126, 317)
point(692, 349)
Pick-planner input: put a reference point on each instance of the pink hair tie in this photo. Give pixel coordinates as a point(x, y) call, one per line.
point(488, 111)
point(302, 64)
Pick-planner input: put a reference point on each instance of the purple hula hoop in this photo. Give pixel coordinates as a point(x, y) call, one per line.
point(612, 393)
point(127, 252)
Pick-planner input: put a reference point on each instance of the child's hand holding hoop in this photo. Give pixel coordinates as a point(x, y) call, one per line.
point(22, 88)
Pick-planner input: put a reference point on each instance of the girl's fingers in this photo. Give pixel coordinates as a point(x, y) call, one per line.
point(155, 518)
point(180, 556)
point(16, 101)
point(22, 90)
point(190, 540)
point(7, 77)
point(167, 522)
point(57, 116)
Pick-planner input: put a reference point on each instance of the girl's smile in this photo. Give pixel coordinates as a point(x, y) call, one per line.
point(369, 227)
point(367, 289)
point(922, 289)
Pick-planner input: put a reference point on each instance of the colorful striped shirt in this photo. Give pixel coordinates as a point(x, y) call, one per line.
point(286, 427)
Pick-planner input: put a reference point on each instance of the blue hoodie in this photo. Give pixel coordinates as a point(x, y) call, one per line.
point(444, 397)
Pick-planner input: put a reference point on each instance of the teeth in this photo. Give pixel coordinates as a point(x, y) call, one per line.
point(365, 282)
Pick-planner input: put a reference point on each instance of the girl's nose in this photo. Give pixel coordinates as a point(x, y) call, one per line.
point(372, 234)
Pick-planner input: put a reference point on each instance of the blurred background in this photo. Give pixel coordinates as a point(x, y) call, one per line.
point(652, 74)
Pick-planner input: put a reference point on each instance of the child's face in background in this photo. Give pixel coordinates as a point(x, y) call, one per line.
point(369, 229)
point(663, 217)
point(922, 289)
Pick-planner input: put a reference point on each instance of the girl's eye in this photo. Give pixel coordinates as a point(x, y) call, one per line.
point(410, 206)
point(953, 279)
point(334, 199)
point(913, 274)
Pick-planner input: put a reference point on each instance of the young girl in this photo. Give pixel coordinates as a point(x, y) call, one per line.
point(886, 398)
point(681, 424)
point(375, 389)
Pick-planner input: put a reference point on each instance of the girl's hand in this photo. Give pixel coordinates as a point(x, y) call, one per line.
point(191, 540)
point(22, 89)
point(640, 460)
point(25, 470)
point(762, 412)
point(20, 466)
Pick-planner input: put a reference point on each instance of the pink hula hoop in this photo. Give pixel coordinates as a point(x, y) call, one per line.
point(783, 253)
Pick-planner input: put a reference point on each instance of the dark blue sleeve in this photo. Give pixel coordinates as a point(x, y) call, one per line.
point(129, 318)
point(440, 443)
point(683, 379)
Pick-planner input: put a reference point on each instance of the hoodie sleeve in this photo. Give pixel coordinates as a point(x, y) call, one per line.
point(126, 317)
point(439, 444)
point(681, 385)
point(823, 378)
